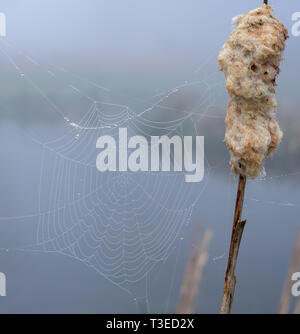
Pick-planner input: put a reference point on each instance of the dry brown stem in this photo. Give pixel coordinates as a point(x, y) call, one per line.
point(237, 232)
point(196, 262)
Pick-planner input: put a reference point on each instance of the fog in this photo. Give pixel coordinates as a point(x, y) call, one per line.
point(75, 240)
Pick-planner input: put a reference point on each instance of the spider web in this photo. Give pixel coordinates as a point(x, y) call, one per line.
point(119, 223)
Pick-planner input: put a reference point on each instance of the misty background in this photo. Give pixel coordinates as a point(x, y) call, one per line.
point(57, 59)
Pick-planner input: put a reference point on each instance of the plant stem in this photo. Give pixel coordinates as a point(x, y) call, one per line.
point(196, 262)
point(237, 232)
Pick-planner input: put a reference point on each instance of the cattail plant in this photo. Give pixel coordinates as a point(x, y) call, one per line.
point(250, 61)
point(194, 270)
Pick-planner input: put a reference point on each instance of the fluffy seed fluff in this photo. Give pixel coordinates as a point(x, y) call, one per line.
point(250, 61)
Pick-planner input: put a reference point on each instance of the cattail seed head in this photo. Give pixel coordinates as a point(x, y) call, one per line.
point(250, 61)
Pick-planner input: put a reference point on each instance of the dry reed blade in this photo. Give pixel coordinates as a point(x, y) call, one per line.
point(192, 277)
point(236, 237)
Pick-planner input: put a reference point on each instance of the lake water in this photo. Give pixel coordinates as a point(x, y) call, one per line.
point(74, 241)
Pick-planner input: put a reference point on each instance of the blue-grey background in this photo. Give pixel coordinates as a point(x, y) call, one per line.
point(133, 53)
